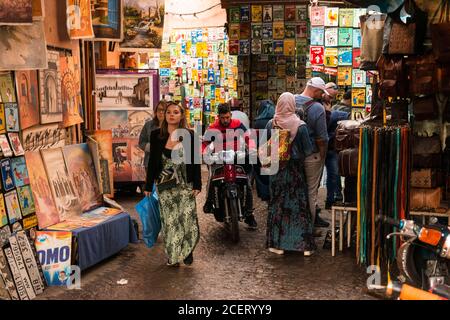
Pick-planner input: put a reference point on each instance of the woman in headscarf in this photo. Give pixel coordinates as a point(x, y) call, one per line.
point(289, 223)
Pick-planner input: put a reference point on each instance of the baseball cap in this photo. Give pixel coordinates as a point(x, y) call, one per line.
point(318, 83)
point(331, 85)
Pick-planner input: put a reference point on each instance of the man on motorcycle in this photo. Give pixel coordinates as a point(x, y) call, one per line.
point(223, 124)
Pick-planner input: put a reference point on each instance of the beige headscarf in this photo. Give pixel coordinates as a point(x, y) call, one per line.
point(285, 116)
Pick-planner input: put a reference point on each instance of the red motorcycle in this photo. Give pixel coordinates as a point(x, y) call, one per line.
point(230, 182)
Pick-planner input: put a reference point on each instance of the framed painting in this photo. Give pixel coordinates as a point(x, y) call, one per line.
point(29, 41)
point(46, 212)
point(16, 12)
point(63, 191)
point(79, 19)
point(26, 200)
point(28, 97)
point(16, 145)
point(70, 92)
point(12, 117)
point(7, 89)
point(43, 137)
point(50, 90)
point(143, 25)
point(20, 171)
point(107, 17)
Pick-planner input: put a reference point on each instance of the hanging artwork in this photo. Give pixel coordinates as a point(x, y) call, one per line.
point(345, 37)
point(26, 200)
point(117, 121)
point(289, 12)
point(28, 98)
point(5, 147)
point(317, 55)
point(38, 10)
point(56, 273)
point(278, 12)
point(16, 145)
point(356, 15)
point(359, 78)
point(317, 36)
point(70, 92)
point(82, 174)
point(50, 90)
point(2, 119)
point(79, 19)
point(358, 97)
point(13, 207)
point(357, 38)
point(63, 191)
point(43, 137)
point(256, 13)
point(107, 20)
point(331, 57)
point(46, 211)
point(20, 172)
point(345, 56)
point(278, 30)
point(143, 25)
point(7, 89)
point(346, 18)
point(7, 175)
point(3, 214)
point(139, 172)
point(267, 13)
point(29, 41)
point(12, 117)
point(136, 121)
point(331, 17)
point(331, 37)
point(356, 58)
point(244, 13)
point(124, 91)
point(344, 76)
point(15, 12)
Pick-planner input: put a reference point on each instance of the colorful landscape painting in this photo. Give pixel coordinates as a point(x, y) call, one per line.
point(107, 16)
point(143, 24)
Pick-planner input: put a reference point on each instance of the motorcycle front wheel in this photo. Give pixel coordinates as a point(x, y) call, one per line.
point(233, 223)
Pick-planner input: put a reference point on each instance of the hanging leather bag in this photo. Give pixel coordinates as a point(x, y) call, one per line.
point(393, 79)
point(425, 108)
point(372, 27)
point(425, 198)
point(422, 74)
point(427, 145)
point(348, 162)
point(347, 135)
point(399, 110)
point(440, 32)
point(425, 178)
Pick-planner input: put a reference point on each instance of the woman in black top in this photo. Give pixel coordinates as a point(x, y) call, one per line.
point(177, 200)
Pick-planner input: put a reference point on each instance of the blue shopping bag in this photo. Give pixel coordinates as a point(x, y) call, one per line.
point(148, 210)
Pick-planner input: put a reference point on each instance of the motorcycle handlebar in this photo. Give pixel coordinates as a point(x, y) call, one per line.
point(389, 220)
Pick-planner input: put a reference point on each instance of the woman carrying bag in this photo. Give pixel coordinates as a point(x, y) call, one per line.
point(177, 185)
point(289, 223)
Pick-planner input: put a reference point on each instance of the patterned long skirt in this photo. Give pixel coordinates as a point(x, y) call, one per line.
point(289, 225)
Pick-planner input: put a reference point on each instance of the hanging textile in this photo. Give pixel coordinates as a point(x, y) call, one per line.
point(383, 184)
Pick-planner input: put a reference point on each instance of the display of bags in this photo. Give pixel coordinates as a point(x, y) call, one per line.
point(422, 199)
point(440, 32)
point(393, 78)
point(399, 110)
point(422, 74)
point(372, 27)
point(427, 161)
point(347, 135)
point(348, 162)
point(404, 30)
point(425, 178)
point(427, 145)
point(425, 108)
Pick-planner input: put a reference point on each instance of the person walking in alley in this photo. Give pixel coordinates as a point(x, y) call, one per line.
point(177, 185)
point(313, 113)
point(334, 188)
point(149, 126)
point(289, 222)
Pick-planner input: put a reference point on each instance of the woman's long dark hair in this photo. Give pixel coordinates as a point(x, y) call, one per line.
point(164, 131)
point(163, 103)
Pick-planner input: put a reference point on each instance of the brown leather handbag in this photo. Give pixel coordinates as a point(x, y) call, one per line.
point(347, 135)
point(422, 74)
point(425, 108)
point(427, 145)
point(425, 198)
point(425, 178)
point(393, 79)
point(372, 27)
point(348, 162)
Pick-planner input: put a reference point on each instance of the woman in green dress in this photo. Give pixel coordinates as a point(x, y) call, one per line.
point(178, 207)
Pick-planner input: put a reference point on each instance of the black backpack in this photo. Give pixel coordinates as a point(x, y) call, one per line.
point(301, 110)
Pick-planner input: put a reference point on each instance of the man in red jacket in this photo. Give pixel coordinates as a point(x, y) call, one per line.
point(233, 132)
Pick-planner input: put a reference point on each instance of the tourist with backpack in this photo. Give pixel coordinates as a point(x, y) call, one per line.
point(289, 222)
point(313, 113)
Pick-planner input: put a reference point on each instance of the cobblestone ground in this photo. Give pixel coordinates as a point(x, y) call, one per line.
point(221, 270)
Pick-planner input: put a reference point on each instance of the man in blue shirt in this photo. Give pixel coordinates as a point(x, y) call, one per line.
point(313, 113)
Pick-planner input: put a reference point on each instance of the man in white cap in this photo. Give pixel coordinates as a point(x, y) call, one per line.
point(313, 113)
